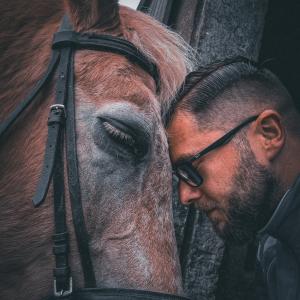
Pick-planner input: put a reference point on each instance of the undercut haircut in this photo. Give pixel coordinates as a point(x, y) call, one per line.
point(224, 93)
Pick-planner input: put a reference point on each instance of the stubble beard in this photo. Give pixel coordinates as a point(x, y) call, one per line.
point(255, 194)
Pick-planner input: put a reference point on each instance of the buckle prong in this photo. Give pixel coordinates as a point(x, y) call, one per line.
point(58, 107)
point(63, 293)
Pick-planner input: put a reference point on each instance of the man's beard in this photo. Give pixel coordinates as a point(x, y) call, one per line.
point(255, 194)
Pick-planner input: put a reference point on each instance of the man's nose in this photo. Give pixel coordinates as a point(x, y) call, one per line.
point(188, 194)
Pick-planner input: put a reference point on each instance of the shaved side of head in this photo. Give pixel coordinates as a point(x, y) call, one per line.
point(226, 92)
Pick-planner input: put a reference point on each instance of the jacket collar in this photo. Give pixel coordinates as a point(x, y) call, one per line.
point(284, 224)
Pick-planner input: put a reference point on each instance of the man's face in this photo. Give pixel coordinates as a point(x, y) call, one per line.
point(236, 193)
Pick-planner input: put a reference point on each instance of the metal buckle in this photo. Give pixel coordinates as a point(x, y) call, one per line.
point(63, 293)
point(59, 107)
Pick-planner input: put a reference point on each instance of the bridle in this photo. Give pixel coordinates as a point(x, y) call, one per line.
point(62, 119)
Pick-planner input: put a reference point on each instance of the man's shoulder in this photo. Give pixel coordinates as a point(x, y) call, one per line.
point(279, 269)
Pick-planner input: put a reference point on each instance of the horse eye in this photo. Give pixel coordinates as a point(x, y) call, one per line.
point(126, 138)
point(119, 135)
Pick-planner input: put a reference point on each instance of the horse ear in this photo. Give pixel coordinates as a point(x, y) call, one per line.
point(86, 14)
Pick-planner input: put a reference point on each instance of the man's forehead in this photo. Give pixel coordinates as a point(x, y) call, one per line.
point(181, 126)
point(186, 137)
point(184, 126)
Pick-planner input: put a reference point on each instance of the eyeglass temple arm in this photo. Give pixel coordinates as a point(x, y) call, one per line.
point(224, 139)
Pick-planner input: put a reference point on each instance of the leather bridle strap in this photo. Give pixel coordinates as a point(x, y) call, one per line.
point(122, 294)
point(8, 122)
point(65, 97)
point(64, 44)
point(82, 236)
point(53, 162)
point(62, 275)
point(56, 122)
point(65, 40)
point(82, 41)
point(107, 43)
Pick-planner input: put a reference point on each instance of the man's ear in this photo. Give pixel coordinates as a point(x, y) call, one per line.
point(270, 133)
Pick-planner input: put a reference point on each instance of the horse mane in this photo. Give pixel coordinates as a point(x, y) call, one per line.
point(165, 47)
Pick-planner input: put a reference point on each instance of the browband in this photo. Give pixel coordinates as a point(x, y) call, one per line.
point(65, 37)
point(107, 43)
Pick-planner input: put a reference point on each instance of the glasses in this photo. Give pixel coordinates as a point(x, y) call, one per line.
point(185, 169)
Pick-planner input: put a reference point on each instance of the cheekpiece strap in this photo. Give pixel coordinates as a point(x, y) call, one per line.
point(56, 122)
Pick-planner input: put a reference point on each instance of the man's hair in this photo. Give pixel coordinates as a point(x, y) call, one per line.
point(226, 92)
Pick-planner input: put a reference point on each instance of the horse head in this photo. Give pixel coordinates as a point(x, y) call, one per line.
point(123, 162)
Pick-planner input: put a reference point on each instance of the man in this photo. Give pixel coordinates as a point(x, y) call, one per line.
point(234, 136)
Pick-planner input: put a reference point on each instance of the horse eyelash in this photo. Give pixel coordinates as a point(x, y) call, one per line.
point(116, 133)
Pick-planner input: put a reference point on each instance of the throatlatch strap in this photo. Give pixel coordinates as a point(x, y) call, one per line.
point(4, 126)
point(82, 236)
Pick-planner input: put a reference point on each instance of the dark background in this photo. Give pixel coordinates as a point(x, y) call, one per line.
point(280, 48)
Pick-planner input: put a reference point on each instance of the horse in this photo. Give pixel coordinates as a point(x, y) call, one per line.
point(123, 163)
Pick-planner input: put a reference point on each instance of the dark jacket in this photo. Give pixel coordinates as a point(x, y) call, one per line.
point(279, 250)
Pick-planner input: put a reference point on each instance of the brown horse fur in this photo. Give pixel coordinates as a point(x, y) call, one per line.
point(86, 14)
point(127, 206)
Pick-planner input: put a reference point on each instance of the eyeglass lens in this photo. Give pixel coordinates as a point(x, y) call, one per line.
point(189, 174)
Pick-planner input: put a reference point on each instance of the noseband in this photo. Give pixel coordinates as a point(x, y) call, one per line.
point(62, 117)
